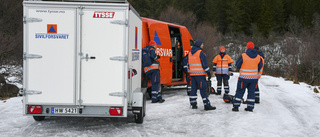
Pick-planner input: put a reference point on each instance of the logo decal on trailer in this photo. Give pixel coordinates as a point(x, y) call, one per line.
point(103, 14)
point(156, 38)
point(52, 33)
point(52, 28)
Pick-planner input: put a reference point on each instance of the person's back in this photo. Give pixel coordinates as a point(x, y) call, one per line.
point(152, 71)
point(249, 64)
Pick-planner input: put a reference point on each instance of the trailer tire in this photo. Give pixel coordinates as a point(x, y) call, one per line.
point(38, 118)
point(138, 118)
point(144, 105)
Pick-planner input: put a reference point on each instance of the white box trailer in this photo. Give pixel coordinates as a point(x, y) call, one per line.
point(82, 59)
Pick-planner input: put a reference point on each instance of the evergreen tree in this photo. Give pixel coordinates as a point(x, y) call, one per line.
point(266, 19)
point(235, 16)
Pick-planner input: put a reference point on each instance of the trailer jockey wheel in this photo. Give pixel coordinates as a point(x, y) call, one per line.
point(38, 118)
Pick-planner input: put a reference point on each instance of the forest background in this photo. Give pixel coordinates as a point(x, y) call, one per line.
point(287, 31)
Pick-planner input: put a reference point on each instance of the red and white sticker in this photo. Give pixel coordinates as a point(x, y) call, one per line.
point(103, 14)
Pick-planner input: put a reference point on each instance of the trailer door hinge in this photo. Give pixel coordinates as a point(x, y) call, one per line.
point(29, 92)
point(31, 20)
point(118, 94)
point(120, 22)
point(31, 56)
point(119, 58)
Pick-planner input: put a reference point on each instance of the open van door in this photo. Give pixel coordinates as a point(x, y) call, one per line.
point(159, 32)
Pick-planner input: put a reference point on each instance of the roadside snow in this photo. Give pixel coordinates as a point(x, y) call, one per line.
point(286, 109)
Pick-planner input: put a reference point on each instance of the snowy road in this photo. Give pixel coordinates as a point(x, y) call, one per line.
point(285, 110)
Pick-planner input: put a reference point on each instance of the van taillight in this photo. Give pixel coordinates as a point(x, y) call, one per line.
point(115, 111)
point(35, 109)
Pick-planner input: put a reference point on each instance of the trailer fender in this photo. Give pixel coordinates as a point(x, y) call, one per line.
point(138, 97)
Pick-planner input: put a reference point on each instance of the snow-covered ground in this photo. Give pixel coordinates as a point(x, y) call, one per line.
point(286, 110)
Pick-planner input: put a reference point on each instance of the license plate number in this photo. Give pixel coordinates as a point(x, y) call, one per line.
point(65, 110)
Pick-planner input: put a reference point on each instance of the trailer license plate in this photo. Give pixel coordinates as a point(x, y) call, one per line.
point(65, 110)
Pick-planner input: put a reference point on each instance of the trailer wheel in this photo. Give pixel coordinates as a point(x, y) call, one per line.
point(138, 118)
point(144, 105)
point(38, 118)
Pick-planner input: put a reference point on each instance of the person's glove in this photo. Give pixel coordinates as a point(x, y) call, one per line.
point(158, 56)
point(209, 76)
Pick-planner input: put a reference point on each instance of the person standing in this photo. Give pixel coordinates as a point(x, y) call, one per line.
point(257, 91)
point(198, 69)
point(185, 70)
point(222, 69)
point(250, 64)
point(152, 70)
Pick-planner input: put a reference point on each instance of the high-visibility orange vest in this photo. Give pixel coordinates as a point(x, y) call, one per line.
point(151, 67)
point(261, 71)
point(222, 66)
point(195, 65)
point(249, 67)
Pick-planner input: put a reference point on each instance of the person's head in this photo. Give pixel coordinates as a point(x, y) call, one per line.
point(222, 49)
point(198, 43)
point(153, 43)
point(250, 45)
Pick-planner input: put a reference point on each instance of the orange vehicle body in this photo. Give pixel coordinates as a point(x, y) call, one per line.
point(173, 43)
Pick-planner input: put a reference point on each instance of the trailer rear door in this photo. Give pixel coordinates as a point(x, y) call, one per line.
point(103, 69)
point(49, 53)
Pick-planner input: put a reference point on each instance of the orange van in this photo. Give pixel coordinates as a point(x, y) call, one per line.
point(174, 42)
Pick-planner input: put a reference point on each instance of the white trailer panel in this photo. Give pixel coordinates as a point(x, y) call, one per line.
point(54, 40)
point(103, 40)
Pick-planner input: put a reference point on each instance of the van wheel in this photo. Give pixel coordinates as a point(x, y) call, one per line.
point(38, 118)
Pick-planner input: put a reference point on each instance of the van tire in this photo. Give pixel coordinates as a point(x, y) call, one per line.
point(38, 118)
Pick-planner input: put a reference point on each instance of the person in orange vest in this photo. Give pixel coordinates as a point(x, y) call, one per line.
point(257, 90)
point(222, 69)
point(198, 69)
point(250, 64)
point(152, 70)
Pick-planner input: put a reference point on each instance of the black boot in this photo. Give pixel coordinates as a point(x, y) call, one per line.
point(236, 109)
point(257, 101)
point(155, 101)
point(194, 106)
point(209, 108)
point(161, 100)
point(248, 109)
